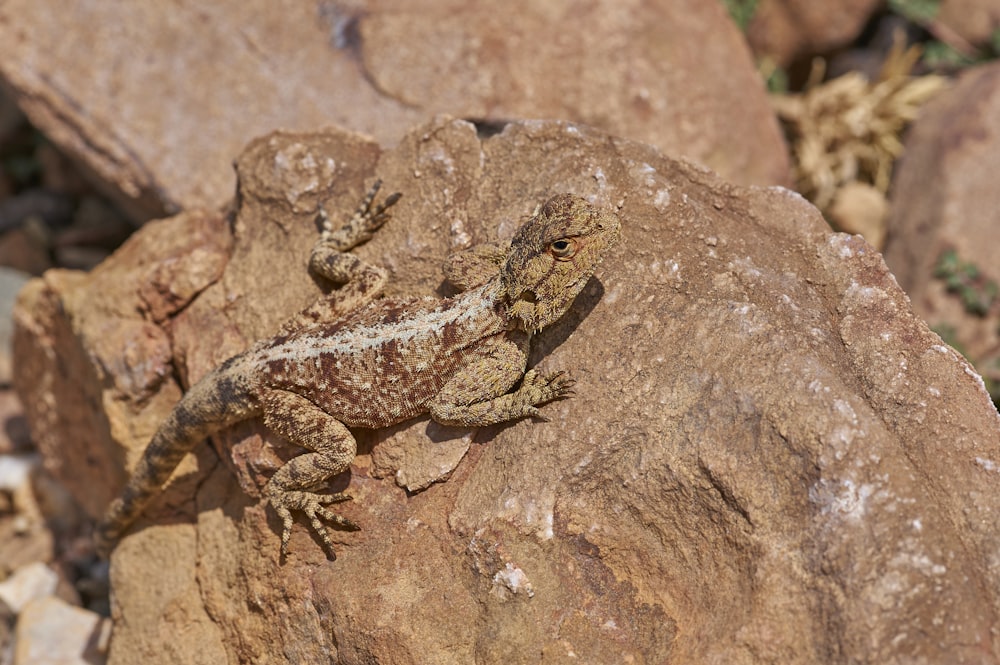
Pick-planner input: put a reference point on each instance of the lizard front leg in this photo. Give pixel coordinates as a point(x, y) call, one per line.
point(331, 446)
point(331, 258)
point(477, 395)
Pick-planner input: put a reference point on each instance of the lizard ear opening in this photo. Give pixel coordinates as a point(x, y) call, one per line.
point(528, 296)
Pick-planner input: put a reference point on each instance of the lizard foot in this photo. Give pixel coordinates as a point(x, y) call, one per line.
point(312, 504)
point(363, 223)
point(541, 388)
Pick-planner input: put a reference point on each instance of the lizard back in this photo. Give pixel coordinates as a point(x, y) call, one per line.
point(382, 364)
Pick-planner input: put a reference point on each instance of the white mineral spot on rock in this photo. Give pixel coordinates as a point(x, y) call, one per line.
point(600, 177)
point(845, 432)
point(460, 237)
point(975, 375)
point(513, 579)
point(745, 267)
point(845, 251)
point(921, 562)
point(851, 501)
point(790, 193)
point(583, 463)
point(611, 295)
point(540, 513)
point(438, 155)
point(863, 293)
point(661, 200)
point(644, 173)
point(987, 464)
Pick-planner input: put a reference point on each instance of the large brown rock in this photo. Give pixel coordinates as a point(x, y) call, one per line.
point(770, 458)
point(976, 21)
point(945, 198)
point(784, 30)
point(159, 96)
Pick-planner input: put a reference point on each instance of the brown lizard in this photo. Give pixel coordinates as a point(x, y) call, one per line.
point(353, 361)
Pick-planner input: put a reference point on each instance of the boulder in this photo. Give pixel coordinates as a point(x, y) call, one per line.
point(158, 98)
point(944, 240)
point(769, 458)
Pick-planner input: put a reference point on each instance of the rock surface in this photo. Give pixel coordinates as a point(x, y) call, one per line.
point(114, 379)
point(975, 21)
point(53, 632)
point(945, 197)
point(770, 458)
point(28, 583)
point(784, 30)
point(159, 97)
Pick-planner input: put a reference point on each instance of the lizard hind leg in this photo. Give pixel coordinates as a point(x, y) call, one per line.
point(292, 487)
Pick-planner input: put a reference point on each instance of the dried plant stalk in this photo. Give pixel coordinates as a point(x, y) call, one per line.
point(848, 129)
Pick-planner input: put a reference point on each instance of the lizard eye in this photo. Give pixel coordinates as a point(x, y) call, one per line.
point(564, 248)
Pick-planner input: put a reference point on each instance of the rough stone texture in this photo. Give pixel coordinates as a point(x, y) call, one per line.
point(160, 96)
point(769, 459)
point(974, 20)
point(945, 196)
point(100, 366)
point(784, 30)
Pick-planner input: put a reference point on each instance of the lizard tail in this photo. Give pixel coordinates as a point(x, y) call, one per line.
point(210, 405)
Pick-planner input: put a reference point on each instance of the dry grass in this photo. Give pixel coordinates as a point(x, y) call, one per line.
point(849, 129)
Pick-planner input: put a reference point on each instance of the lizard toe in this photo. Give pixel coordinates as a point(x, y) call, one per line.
point(339, 497)
point(548, 387)
point(312, 505)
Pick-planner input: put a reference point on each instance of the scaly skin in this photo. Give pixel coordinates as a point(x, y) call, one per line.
point(351, 360)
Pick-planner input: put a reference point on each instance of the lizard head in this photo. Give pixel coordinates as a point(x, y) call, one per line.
point(552, 256)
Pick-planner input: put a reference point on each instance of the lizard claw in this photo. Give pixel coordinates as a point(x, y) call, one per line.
point(373, 217)
point(312, 504)
point(544, 388)
point(362, 225)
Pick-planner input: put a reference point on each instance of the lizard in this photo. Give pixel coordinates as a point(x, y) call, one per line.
point(353, 359)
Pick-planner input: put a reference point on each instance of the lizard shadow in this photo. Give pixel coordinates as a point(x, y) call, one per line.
point(552, 337)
